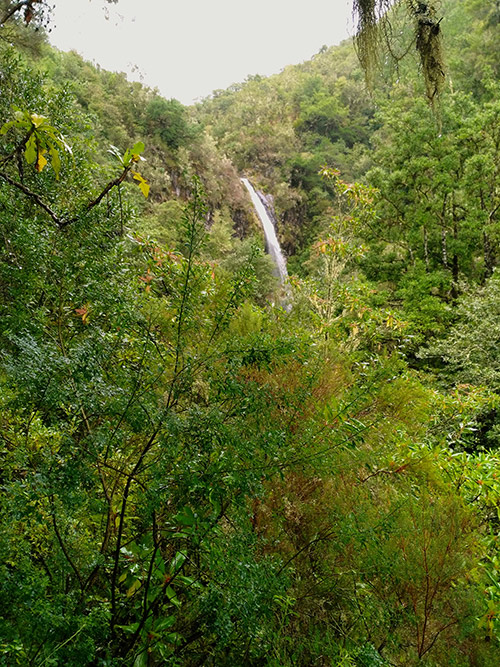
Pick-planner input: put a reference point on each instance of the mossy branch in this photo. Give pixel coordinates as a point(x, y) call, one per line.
point(373, 38)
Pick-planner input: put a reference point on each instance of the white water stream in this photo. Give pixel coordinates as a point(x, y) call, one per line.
point(272, 243)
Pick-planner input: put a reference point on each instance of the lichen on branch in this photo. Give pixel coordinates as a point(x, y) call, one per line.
point(373, 37)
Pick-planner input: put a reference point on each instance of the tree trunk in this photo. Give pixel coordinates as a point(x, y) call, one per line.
point(489, 258)
point(454, 265)
point(444, 248)
point(426, 249)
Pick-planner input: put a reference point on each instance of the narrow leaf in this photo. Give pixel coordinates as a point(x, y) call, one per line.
point(164, 623)
point(65, 144)
point(144, 188)
point(127, 156)
point(172, 597)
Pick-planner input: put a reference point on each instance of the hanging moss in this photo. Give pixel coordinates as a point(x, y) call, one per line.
point(429, 46)
point(370, 28)
point(373, 32)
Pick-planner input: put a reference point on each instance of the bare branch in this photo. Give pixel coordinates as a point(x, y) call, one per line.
point(32, 195)
point(59, 221)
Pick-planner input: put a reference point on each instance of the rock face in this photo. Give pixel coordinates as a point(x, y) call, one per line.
point(293, 228)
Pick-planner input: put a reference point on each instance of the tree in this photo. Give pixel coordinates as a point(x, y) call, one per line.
point(168, 119)
point(439, 202)
point(470, 350)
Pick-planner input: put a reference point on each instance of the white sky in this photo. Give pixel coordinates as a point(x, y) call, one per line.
point(188, 48)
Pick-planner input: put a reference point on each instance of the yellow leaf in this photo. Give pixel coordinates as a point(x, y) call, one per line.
point(37, 120)
point(41, 161)
point(144, 188)
point(143, 184)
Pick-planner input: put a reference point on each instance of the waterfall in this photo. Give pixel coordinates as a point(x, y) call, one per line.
point(272, 243)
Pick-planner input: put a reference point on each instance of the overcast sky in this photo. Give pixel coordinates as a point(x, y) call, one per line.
point(188, 48)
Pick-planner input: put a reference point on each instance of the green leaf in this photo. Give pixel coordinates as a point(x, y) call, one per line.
point(55, 160)
point(186, 517)
point(135, 586)
point(159, 565)
point(173, 638)
point(137, 148)
point(142, 659)
point(188, 581)
point(127, 156)
point(30, 152)
point(177, 562)
point(172, 596)
point(6, 126)
point(130, 629)
point(164, 623)
point(490, 576)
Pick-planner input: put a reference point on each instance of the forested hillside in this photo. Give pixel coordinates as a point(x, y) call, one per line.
point(196, 470)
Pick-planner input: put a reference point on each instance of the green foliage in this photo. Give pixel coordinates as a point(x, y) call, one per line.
point(191, 474)
point(40, 138)
point(168, 119)
point(164, 224)
point(469, 350)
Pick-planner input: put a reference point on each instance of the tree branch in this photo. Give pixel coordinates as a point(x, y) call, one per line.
point(59, 221)
point(99, 198)
point(10, 12)
point(29, 10)
point(64, 550)
point(32, 195)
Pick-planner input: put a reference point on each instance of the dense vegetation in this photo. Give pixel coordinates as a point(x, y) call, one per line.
point(192, 475)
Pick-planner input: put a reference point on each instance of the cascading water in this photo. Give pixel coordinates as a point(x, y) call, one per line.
point(272, 243)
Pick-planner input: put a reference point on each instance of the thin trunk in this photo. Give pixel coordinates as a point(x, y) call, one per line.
point(455, 265)
point(426, 249)
point(489, 258)
point(444, 244)
point(412, 255)
point(444, 248)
